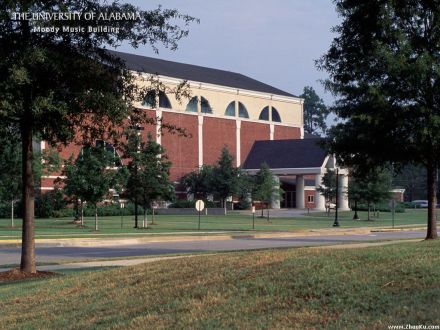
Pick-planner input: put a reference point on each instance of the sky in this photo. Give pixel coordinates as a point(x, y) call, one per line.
point(274, 41)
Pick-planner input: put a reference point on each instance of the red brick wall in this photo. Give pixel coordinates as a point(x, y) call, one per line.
point(285, 133)
point(251, 132)
point(306, 199)
point(218, 133)
point(182, 151)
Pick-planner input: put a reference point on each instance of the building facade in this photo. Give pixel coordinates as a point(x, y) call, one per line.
point(224, 109)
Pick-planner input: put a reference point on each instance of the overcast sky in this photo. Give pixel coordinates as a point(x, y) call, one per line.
point(273, 41)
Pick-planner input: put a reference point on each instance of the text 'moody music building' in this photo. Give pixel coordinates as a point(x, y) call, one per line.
point(257, 122)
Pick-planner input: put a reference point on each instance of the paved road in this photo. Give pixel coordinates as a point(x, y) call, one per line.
point(63, 254)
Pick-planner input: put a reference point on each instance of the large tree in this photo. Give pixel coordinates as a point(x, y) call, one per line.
point(57, 85)
point(224, 177)
point(265, 187)
point(315, 112)
point(384, 68)
point(89, 177)
point(148, 174)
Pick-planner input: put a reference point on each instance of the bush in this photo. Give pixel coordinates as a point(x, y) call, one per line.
point(382, 207)
point(186, 204)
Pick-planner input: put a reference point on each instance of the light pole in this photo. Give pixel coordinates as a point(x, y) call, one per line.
point(253, 217)
point(336, 223)
point(138, 128)
point(122, 206)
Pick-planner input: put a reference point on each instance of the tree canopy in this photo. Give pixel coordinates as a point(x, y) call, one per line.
point(58, 85)
point(384, 68)
point(315, 112)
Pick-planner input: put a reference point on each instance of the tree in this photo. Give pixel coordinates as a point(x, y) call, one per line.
point(10, 172)
point(384, 68)
point(149, 171)
point(266, 187)
point(59, 85)
point(327, 188)
point(88, 178)
point(199, 183)
point(224, 177)
point(371, 188)
point(315, 111)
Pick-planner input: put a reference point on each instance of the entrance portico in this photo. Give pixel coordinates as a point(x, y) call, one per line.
point(299, 165)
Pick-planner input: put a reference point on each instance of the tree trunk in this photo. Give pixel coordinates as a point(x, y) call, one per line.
point(355, 217)
point(12, 214)
point(432, 200)
point(28, 195)
point(96, 217)
point(145, 225)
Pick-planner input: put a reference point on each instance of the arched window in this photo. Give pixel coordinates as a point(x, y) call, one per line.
point(192, 105)
point(242, 112)
point(150, 100)
point(275, 115)
point(230, 109)
point(204, 103)
point(164, 101)
point(206, 107)
point(264, 114)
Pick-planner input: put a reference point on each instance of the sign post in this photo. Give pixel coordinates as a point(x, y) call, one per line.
point(200, 205)
point(253, 217)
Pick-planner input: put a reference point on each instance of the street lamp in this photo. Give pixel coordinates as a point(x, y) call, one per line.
point(138, 128)
point(336, 223)
point(253, 217)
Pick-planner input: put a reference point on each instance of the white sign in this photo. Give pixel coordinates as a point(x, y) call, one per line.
point(253, 209)
point(200, 205)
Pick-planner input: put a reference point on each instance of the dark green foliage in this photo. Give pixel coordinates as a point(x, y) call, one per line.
point(50, 204)
point(199, 183)
point(148, 172)
point(384, 68)
point(315, 112)
point(327, 188)
point(179, 204)
point(265, 186)
point(224, 177)
point(413, 179)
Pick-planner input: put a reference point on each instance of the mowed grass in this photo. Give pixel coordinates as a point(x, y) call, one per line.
point(292, 288)
point(111, 226)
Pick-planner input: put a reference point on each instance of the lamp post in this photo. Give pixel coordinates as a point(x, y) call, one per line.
point(138, 128)
point(253, 217)
point(336, 223)
point(122, 206)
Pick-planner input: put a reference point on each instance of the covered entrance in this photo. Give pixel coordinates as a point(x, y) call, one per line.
point(299, 166)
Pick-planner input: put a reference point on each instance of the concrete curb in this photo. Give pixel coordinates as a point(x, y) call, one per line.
point(97, 242)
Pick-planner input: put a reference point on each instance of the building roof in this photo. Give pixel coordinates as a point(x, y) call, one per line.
point(195, 73)
point(283, 154)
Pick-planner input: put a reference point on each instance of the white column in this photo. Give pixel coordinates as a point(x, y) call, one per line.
point(300, 191)
point(272, 130)
point(319, 199)
point(342, 193)
point(275, 202)
point(200, 133)
point(238, 141)
point(158, 124)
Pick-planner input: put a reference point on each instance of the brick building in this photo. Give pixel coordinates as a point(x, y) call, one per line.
point(225, 109)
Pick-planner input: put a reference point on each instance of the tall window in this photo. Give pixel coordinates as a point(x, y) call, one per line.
point(242, 112)
point(206, 107)
point(164, 101)
point(111, 150)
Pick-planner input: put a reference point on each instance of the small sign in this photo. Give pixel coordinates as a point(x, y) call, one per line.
point(253, 209)
point(200, 205)
point(122, 205)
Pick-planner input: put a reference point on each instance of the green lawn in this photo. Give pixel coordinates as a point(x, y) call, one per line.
point(111, 226)
point(368, 288)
